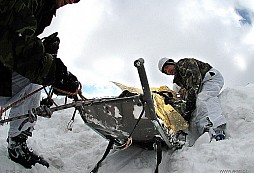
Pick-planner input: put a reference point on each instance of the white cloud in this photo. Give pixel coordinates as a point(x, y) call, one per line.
point(240, 63)
point(101, 39)
point(101, 89)
point(249, 38)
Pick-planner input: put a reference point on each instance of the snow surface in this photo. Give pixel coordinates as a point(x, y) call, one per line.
point(78, 151)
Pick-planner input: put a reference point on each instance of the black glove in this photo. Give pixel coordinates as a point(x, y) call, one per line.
point(64, 80)
point(51, 43)
point(168, 96)
point(187, 115)
point(68, 83)
point(47, 102)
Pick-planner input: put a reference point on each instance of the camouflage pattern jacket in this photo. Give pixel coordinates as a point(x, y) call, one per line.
point(21, 21)
point(189, 74)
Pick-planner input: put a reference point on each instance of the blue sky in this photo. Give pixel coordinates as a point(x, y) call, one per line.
point(100, 40)
point(245, 15)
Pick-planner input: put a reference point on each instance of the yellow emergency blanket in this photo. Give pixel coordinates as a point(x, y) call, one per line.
point(170, 117)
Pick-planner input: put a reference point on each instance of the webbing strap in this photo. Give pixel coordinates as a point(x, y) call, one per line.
point(139, 118)
point(96, 168)
point(159, 153)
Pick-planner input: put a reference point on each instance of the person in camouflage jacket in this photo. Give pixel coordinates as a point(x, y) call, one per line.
point(26, 62)
point(201, 84)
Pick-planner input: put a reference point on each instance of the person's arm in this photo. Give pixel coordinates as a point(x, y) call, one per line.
point(21, 50)
point(190, 73)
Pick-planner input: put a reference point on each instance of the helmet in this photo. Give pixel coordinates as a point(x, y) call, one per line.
point(163, 62)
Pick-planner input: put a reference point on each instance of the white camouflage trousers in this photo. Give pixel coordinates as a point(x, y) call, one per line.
point(21, 86)
point(208, 109)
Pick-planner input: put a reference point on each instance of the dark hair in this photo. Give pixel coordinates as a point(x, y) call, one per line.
point(168, 62)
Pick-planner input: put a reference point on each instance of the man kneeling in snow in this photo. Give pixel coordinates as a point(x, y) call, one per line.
point(202, 84)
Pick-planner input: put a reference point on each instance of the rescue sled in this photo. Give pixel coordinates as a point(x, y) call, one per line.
point(142, 116)
point(137, 115)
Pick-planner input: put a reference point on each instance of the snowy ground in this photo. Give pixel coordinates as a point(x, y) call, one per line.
point(78, 151)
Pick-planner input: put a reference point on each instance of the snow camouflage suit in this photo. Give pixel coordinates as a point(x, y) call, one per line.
point(189, 75)
point(203, 84)
point(20, 48)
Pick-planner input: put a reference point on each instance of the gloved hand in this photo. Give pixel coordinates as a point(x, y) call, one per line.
point(64, 80)
point(187, 115)
point(51, 43)
point(68, 83)
point(168, 96)
point(168, 100)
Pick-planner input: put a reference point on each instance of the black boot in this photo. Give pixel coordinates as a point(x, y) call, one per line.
point(20, 153)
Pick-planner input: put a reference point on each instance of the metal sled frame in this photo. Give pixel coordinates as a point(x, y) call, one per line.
point(100, 116)
point(151, 131)
point(116, 118)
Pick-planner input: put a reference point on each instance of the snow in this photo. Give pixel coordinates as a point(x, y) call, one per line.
point(78, 151)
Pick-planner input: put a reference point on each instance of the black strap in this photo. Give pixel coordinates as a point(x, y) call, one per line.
point(96, 168)
point(167, 99)
point(159, 153)
point(69, 125)
point(139, 118)
point(111, 143)
point(165, 94)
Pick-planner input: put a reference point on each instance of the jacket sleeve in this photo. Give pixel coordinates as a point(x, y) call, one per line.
point(189, 71)
point(21, 50)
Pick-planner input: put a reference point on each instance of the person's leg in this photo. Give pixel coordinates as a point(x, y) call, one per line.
point(4, 101)
point(21, 87)
point(209, 97)
point(208, 113)
point(21, 129)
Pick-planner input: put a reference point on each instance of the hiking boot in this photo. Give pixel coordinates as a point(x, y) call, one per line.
point(20, 153)
point(219, 135)
point(219, 132)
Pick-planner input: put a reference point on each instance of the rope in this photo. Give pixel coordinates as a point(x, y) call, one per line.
point(19, 101)
point(78, 91)
point(126, 144)
point(49, 94)
point(129, 139)
point(70, 93)
point(122, 147)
